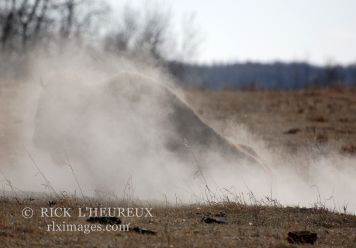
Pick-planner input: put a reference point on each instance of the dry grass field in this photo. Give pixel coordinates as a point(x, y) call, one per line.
point(246, 226)
point(289, 120)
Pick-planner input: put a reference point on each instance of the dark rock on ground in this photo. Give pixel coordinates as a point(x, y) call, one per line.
point(141, 230)
point(105, 220)
point(292, 131)
point(213, 220)
point(302, 237)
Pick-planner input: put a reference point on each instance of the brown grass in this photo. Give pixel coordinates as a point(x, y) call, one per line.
point(324, 115)
point(268, 114)
point(181, 226)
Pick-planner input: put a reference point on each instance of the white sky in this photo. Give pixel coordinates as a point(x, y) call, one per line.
point(267, 30)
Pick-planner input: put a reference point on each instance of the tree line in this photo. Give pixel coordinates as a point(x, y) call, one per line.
point(278, 75)
point(29, 24)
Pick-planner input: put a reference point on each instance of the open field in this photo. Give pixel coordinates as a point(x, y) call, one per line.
point(177, 124)
point(325, 117)
point(288, 120)
point(255, 226)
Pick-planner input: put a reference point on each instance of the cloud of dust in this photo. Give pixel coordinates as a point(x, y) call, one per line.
point(106, 125)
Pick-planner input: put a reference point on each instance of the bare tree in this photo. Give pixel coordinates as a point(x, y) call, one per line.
point(25, 23)
point(149, 31)
point(123, 37)
point(153, 37)
point(190, 38)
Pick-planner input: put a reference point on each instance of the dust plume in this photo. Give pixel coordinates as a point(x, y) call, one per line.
point(108, 126)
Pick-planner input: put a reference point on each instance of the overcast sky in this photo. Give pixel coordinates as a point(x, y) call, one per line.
point(318, 31)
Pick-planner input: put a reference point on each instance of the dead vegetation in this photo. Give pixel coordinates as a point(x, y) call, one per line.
point(244, 223)
point(324, 116)
point(182, 226)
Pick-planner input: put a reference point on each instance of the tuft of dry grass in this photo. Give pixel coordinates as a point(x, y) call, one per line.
point(317, 117)
point(349, 149)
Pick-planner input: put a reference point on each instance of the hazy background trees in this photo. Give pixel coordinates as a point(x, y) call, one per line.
point(141, 32)
point(29, 24)
point(26, 24)
point(149, 30)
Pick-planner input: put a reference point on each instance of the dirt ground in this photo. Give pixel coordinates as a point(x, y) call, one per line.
point(254, 226)
point(293, 119)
